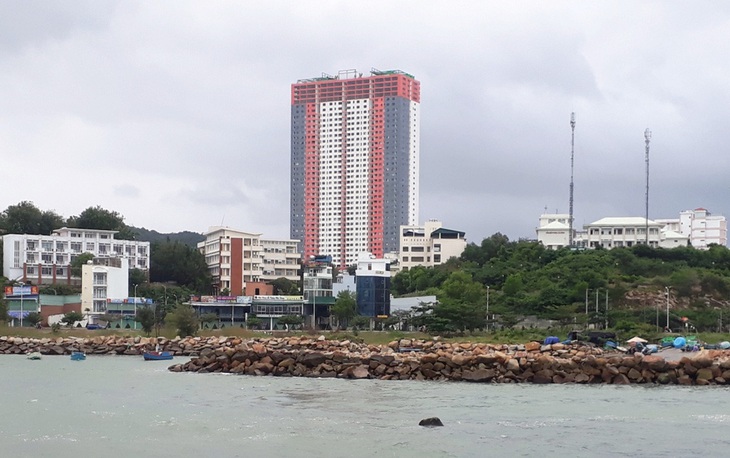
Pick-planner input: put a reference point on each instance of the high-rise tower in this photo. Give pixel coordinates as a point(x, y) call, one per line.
point(354, 162)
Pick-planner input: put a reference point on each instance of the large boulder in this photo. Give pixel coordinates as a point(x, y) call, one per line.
point(479, 375)
point(313, 359)
point(431, 422)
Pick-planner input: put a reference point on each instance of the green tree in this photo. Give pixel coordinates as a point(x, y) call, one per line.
point(3, 311)
point(208, 318)
point(178, 263)
point(26, 218)
point(284, 286)
point(291, 320)
point(71, 317)
point(252, 322)
point(345, 307)
point(360, 322)
point(78, 262)
point(100, 218)
point(136, 277)
point(33, 318)
point(185, 320)
point(146, 318)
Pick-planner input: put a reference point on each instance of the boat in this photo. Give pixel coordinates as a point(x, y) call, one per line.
point(33, 355)
point(157, 355)
point(78, 356)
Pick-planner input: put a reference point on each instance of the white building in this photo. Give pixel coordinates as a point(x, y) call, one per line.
point(702, 227)
point(46, 259)
point(428, 245)
point(103, 279)
point(236, 257)
point(628, 231)
point(553, 230)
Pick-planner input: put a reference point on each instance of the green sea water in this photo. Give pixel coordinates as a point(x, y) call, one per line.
point(124, 406)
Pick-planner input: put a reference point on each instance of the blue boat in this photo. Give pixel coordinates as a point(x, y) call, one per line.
point(157, 355)
point(78, 356)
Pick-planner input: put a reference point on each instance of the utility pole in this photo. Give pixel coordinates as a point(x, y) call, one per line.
point(647, 139)
point(667, 288)
point(572, 156)
point(486, 324)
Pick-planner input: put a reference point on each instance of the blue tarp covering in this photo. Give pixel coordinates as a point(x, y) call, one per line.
point(680, 342)
point(551, 340)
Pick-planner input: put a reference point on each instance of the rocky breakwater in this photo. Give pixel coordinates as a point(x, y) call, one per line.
point(434, 360)
point(111, 345)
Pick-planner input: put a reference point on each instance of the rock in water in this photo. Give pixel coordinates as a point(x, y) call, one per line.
point(433, 421)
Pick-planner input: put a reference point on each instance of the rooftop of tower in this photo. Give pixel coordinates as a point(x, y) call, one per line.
point(353, 73)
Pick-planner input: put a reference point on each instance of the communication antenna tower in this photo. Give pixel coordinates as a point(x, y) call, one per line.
point(572, 156)
point(647, 139)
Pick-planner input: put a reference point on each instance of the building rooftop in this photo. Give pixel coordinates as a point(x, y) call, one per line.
point(623, 221)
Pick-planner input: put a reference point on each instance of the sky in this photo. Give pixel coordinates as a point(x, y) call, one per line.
point(177, 114)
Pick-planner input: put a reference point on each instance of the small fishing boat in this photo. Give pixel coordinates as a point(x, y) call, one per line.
point(33, 355)
point(157, 355)
point(78, 356)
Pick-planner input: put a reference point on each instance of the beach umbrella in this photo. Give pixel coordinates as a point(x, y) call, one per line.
point(637, 339)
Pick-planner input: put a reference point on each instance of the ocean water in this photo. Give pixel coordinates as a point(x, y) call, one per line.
point(123, 406)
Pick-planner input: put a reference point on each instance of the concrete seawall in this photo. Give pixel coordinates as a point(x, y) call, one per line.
point(402, 360)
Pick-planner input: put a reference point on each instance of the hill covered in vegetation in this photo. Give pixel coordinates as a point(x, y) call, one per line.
point(623, 287)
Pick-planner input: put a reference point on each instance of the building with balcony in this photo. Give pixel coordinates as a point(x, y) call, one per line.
point(700, 226)
point(629, 231)
point(235, 258)
point(428, 245)
point(355, 145)
point(317, 284)
point(612, 232)
point(46, 259)
point(102, 280)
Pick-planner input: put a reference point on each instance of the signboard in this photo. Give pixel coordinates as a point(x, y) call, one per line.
point(21, 290)
point(279, 298)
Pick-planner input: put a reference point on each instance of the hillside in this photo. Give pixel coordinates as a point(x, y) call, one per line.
point(186, 237)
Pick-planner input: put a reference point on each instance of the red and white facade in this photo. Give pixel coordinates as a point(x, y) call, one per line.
point(354, 170)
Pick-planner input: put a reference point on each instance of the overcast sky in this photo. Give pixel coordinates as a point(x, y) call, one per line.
point(177, 114)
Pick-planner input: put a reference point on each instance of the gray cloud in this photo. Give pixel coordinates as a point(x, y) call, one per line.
point(182, 111)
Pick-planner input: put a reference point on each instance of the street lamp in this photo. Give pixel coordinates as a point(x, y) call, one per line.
point(22, 292)
point(667, 288)
point(135, 306)
point(487, 322)
point(587, 289)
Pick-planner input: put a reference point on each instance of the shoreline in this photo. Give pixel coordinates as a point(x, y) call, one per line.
point(404, 359)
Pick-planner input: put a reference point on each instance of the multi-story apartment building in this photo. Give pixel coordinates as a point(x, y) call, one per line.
point(235, 258)
point(46, 259)
point(428, 245)
point(101, 281)
point(317, 281)
point(702, 227)
point(354, 162)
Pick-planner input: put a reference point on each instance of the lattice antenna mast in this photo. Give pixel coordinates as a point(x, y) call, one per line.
point(647, 139)
point(572, 160)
